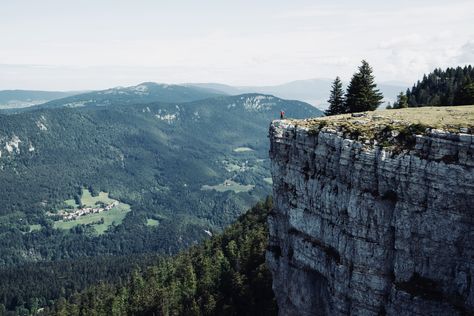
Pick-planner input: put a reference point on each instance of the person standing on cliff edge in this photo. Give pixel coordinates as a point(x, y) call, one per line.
point(282, 115)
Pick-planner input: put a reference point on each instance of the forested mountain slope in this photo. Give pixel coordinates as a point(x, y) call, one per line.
point(178, 172)
point(183, 169)
point(225, 275)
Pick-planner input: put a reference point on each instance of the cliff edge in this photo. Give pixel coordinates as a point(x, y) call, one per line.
point(374, 213)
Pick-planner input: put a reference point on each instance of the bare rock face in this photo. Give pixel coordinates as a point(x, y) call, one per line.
point(357, 230)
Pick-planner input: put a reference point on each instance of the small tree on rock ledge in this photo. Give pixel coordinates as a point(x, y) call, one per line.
point(402, 101)
point(336, 99)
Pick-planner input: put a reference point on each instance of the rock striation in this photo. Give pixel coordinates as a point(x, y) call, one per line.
point(362, 230)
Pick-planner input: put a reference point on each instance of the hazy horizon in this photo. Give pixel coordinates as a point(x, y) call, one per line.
point(198, 84)
point(53, 45)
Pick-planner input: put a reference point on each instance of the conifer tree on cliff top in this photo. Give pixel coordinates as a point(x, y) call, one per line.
point(362, 93)
point(336, 99)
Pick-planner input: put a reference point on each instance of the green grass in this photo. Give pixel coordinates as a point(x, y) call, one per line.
point(231, 166)
point(152, 222)
point(228, 185)
point(90, 201)
point(268, 180)
point(393, 129)
point(242, 149)
point(35, 227)
point(450, 118)
point(71, 203)
point(114, 216)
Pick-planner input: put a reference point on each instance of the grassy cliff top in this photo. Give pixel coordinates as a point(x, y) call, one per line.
point(453, 119)
point(395, 129)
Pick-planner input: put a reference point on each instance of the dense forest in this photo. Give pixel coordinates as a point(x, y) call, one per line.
point(185, 170)
point(453, 86)
point(25, 288)
point(169, 162)
point(225, 275)
point(128, 154)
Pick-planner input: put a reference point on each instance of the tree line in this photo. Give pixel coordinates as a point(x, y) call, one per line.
point(453, 86)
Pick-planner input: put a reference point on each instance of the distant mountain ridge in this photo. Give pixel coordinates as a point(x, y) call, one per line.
point(10, 99)
point(146, 92)
point(313, 91)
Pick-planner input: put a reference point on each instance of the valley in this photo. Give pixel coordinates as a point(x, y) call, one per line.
point(170, 173)
point(119, 178)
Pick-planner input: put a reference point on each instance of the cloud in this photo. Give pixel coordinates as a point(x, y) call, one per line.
point(269, 44)
point(401, 41)
point(466, 53)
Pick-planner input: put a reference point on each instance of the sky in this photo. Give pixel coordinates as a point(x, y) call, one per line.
point(97, 44)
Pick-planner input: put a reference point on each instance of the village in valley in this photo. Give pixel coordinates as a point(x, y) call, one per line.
point(98, 212)
point(67, 215)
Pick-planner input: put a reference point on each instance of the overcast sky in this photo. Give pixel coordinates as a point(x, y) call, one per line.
point(92, 44)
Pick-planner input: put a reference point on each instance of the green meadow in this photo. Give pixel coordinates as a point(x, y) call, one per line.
point(99, 221)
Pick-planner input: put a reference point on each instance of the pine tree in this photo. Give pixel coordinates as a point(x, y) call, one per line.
point(465, 96)
point(336, 99)
point(402, 101)
point(443, 87)
point(362, 93)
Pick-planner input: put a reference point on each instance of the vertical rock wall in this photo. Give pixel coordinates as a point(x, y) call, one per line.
point(357, 230)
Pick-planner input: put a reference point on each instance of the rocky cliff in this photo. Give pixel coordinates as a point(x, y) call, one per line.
point(371, 218)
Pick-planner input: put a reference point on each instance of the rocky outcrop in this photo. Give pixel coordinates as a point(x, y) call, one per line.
point(359, 230)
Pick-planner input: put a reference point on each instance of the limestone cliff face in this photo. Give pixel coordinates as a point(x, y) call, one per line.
point(357, 230)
